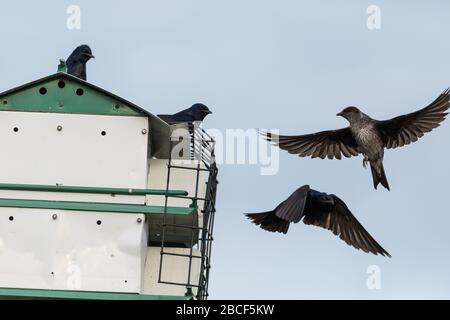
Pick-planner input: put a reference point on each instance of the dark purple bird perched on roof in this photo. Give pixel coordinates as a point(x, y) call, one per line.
point(367, 136)
point(320, 209)
point(76, 63)
point(196, 112)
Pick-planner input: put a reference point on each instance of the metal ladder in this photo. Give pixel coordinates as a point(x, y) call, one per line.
point(201, 149)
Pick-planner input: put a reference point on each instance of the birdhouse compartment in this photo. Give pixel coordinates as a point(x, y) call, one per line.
point(92, 205)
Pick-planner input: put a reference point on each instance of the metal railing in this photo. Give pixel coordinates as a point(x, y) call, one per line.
point(201, 230)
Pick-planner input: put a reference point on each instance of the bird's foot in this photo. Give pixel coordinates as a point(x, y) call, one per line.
point(365, 160)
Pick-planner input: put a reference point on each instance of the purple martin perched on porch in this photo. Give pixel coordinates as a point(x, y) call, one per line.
point(366, 136)
point(76, 63)
point(320, 209)
point(196, 112)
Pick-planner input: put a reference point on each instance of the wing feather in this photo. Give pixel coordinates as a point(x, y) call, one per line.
point(331, 144)
point(343, 223)
point(408, 128)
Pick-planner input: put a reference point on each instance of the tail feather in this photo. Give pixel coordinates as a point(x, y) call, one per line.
point(379, 177)
point(269, 221)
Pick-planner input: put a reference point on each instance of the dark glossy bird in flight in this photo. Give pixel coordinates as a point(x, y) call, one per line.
point(76, 63)
point(322, 210)
point(367, 136)
point(196, 112)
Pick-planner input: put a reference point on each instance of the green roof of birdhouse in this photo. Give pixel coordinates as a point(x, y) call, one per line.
point(64, 93)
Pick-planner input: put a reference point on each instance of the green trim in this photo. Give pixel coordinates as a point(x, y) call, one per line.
point(94, 206)
point(78, 82)
point(79, 189)
point(62, 67)
point(89, 295)
point(189, 294)
point(17, 99)
point(71, 97)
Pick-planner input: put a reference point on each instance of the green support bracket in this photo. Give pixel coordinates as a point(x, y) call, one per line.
point(95, 206)
point(85, 295)
point(62, 67)
point(189, 294)
point(97, 190)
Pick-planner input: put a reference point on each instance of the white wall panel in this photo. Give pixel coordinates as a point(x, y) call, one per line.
point(72, 252)
point(78, 155)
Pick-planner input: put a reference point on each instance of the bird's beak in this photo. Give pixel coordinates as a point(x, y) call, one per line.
point(339, 114)
point(92, 56)
point(207, 111)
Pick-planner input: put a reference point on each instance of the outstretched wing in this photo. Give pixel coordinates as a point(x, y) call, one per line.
point(331, 144)
point(342, 223)
point(290, 210)
point(408, 128)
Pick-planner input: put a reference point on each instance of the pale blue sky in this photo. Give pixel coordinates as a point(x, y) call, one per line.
point(283, 64)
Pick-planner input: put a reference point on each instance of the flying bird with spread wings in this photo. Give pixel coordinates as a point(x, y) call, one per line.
point(366, 136)
point(76, 63)
point(320, 209)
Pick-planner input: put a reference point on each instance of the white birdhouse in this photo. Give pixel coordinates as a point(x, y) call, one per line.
point(93, 204)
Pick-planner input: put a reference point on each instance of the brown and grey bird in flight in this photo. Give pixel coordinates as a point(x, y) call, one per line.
point(320, 209)
point(366, 136)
